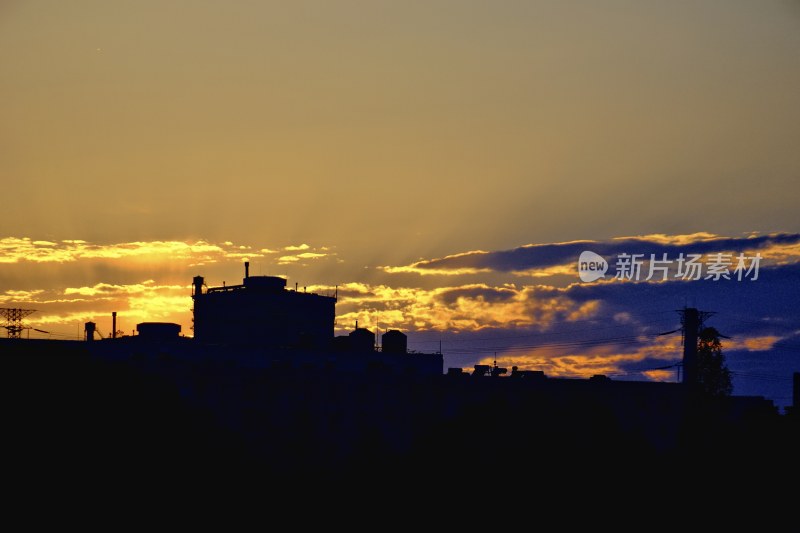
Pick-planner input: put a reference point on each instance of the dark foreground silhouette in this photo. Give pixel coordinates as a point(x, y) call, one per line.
point(68, 415)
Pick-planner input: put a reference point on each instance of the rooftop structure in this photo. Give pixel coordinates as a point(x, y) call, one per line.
point(261, 311)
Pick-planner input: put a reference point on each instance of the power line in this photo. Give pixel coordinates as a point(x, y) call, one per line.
point(763, 377)
point(764, 324)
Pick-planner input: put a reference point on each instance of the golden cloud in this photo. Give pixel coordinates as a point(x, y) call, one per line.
point(610, 359)
point(297, 258)
point(560, 259)
point(662, 238)
point(659, 375)
point(753, 344)
point(415, 269)
point(107, 289)
point(19, 296)
point(467, 307)
point(15, 250)
point(423, 268)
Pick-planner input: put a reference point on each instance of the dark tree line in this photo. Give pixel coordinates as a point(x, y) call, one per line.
point(713, 375)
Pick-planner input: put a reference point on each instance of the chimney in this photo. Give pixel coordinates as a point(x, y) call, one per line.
point(113, 324)
point(246, 269)
point(198, 281)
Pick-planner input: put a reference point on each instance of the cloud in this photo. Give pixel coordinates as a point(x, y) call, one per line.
point(143, 255)
point(662, 238)
point(450, 265)
point(297, 248)
point(108, 290)
point(19, 296)
point(636, 359)
point(471, 307)
point(648, 357)
point(298, 258)
point(543, 260)
point(16, 250)
point(759, 344)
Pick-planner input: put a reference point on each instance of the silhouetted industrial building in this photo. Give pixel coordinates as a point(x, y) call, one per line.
point(293, 329)
point(261, 311)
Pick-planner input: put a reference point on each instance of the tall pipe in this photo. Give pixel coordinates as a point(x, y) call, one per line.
point(246, 269)
point(113, 324)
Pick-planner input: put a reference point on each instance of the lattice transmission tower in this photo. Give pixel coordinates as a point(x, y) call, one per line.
point(13, 323)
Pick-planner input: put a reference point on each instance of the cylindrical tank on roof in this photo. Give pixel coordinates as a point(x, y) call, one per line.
point(394, 341)
point(265, 283)
point(158, 330)
point(362, 340)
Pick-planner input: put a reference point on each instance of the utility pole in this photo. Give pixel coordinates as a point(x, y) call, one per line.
point(690, 319)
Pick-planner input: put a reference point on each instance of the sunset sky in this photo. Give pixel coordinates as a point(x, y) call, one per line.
point(436, 160)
